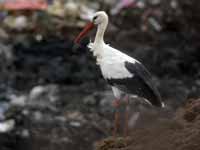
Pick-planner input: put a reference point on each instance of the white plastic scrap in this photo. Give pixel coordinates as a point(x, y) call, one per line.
point(86, 13)
point(3, 108)
point(71, 9)
point(122, 4)
point(21, 22)
point(141, 4)
point(155, 24)
point(133, 119)
point(7, 126)
point(18, 100)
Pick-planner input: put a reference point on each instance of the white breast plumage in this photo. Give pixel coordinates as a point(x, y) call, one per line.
point(111, 62)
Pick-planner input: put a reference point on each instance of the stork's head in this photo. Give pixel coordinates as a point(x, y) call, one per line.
point(99, 19)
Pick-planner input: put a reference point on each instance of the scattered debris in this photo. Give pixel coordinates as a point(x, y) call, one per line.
point(123, 4)
point(7, 126)
point(113, 143)
point(192, 110)
point(18, 100)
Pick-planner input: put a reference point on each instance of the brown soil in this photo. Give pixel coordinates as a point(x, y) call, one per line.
point(180, 133)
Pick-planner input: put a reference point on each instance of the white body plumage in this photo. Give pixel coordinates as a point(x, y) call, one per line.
point(111, 61)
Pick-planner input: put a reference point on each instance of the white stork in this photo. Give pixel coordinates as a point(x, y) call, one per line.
point(125, 75)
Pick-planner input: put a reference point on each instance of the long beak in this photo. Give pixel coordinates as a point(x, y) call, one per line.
point(87, 28)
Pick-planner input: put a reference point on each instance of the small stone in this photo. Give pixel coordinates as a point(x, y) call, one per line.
point(89, 100)
point(25, 112)
point(107, 99)
point(38, 116)
point(36, 92)
point(39, 37)
point(25, 133)
point(75, 123)
point(75, 115)
point(174, 4)
point(61, 118)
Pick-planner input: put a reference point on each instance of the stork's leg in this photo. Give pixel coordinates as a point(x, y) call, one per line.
point(116, 104)
point(126, 115)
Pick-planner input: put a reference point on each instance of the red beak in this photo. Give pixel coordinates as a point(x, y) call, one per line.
point(87, 28)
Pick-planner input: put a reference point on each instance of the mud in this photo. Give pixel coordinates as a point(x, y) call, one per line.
point(179, 133)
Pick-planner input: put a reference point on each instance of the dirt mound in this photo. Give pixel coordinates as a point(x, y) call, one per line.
point(180, 133)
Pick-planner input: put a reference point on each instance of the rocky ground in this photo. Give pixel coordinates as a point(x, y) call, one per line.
point(179, 133)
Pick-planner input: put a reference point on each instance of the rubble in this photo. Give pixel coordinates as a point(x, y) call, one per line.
point(176, 133)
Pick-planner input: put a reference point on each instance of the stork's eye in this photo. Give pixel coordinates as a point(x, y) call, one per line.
point(94, 18)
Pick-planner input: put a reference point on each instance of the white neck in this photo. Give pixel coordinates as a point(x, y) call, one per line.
point(97, 46)
point(99, 38)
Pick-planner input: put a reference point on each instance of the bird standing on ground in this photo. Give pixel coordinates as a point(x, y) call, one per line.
point(126, 76)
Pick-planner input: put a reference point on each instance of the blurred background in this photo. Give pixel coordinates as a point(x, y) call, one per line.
point(52, 95)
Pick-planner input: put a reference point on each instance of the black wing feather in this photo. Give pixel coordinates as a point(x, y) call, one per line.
point(140, 84)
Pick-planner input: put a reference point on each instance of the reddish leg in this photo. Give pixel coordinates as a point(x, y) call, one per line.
point(126, 116)
point(116, 104)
